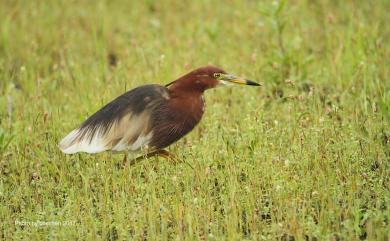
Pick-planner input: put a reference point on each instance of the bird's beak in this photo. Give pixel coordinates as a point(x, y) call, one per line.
point(231, 79)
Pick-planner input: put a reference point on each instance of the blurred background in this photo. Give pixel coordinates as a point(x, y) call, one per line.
point(304, 157)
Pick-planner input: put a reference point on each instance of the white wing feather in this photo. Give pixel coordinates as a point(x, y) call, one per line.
point(130, 133)
point(70, 144)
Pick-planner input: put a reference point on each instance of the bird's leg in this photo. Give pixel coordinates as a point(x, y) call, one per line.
point(163, 153)
point(170, 156)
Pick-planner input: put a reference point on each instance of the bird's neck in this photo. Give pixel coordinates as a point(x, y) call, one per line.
point(190, 104)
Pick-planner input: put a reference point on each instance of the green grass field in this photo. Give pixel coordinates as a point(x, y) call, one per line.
point(305, 157)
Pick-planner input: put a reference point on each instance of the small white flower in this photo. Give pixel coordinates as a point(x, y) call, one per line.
point(287, 162)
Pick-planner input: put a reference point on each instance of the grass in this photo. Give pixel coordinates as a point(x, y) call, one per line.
point(306, 157)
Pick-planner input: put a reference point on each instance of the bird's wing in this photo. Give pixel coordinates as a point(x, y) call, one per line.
point(123, 124)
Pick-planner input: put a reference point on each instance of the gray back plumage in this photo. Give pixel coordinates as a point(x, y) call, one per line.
point(133, 102)
point(119, 124)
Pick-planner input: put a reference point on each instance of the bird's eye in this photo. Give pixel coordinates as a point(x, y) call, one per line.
point(217, 75)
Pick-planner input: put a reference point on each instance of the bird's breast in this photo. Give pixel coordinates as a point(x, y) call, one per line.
point(193, 108)
point(175, 120)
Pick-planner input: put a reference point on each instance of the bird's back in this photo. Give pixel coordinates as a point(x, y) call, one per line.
point(123, 124)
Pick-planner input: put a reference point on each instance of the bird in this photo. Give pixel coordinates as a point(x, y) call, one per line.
point(150, 117)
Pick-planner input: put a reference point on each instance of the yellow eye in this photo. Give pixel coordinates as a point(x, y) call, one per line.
point(217, 75)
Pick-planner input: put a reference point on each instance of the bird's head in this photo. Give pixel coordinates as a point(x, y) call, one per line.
point(207, 77)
